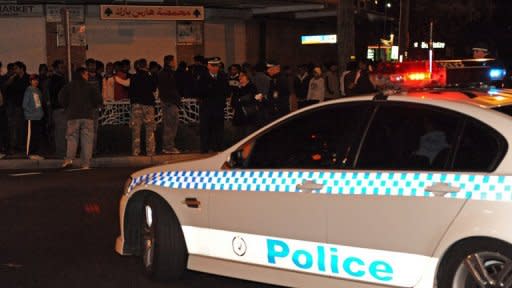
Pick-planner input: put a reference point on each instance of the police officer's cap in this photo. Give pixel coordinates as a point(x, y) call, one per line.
point(214, 61)
point(271, 64)
point(481, 47)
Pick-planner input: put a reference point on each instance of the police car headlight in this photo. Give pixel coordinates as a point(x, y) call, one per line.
point(127, 184)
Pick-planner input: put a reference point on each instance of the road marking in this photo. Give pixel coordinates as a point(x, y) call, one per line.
point(25, 174)
point(77, 169)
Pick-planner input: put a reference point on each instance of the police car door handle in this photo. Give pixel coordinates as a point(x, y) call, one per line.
point(441, 189)
point(309, 186)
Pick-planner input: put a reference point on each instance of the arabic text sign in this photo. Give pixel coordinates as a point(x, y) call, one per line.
point(12, 10)
point(166, 13)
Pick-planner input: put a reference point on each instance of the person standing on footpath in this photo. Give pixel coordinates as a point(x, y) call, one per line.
point(15, 91)
point(170, 101)
point(4, 140)
point(316, 91)
point(142, 99)
point(213, 90)
point(80, 99)
point(121, 82)
point(108, 83)
point(332, 82)
point(34, 113)
point(279, 91)
point(59, 121)
point(96, 80)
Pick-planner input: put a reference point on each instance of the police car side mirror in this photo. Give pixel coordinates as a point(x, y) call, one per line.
point(236, 159)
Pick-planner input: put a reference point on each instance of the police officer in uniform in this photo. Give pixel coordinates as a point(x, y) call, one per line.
point(213, 89)
point(279, 92)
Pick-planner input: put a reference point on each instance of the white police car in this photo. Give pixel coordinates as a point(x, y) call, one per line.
point(398, 191)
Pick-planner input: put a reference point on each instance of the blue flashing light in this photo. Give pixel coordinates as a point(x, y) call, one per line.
point(497, 74)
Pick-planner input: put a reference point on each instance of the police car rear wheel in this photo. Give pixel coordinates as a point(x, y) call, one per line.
point(483, 263)
point(164, 253)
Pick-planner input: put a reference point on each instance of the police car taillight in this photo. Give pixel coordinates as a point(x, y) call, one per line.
point(418, 76)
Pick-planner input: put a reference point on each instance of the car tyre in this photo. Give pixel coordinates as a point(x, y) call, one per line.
point(487, 259)
point(164, 251)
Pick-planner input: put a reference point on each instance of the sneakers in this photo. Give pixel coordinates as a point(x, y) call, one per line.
point(35, 157)
point(2, 155)
point(171, 151)
point(67, 164)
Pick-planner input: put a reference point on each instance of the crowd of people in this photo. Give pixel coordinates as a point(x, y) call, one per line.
point(65, 113)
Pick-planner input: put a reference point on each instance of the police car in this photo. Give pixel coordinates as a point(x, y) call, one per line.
point(407, 190)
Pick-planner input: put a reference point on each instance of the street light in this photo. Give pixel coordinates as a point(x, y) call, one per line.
point(386, 7)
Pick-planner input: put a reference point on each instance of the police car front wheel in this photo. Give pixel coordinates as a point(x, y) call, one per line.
point(482, 263)
point(164, 253)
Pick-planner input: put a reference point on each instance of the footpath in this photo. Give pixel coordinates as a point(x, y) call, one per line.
point(100, 161)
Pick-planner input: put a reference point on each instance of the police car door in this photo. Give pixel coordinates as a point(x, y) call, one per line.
point(276, 215)
point(392, 206)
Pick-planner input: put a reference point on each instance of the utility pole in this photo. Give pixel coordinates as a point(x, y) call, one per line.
point(346, 32)
point(403, 34)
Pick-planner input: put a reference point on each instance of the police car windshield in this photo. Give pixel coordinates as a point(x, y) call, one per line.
point(505, 109)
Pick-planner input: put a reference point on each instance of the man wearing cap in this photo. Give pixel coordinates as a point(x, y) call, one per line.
point(480, 51)
point(213, 88)
point(279, 92)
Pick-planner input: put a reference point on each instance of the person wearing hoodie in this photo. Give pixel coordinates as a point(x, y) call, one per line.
point(142, 98)
point(80, 100)
point(170, 101)
point(33, 111)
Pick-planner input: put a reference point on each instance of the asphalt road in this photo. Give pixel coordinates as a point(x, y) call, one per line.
point(57, 229)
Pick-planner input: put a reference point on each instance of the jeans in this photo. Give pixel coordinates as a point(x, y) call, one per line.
point(80, 130)
point(96, 115)
point(170, 123)
point(60, 124)
point(143, 114)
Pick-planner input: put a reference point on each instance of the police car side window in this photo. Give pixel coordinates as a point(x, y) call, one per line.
point(326, 138)
point(481, 148)
point(406, 136)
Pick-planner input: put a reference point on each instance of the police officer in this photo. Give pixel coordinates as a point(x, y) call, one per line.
point(213, 89)
point(279, 92)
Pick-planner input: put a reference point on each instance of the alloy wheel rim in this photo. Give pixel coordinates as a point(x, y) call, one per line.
point(484, 270)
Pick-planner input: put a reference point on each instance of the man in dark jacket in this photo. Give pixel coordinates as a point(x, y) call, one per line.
point(59, 121)
point(80, 99)
point(142, 98)
point(170, 100)
point(279, 92)
point(4, 140)
point(301, 82)
point(213, 89)
point(15, 88)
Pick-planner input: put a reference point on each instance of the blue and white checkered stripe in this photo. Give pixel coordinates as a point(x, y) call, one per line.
point(472, 186)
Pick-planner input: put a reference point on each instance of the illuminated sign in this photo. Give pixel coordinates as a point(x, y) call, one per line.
point(165, 13)
point(394, 53)
point(318, 39)
point(370, 54)
point(435, 45)
point(13, 10)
